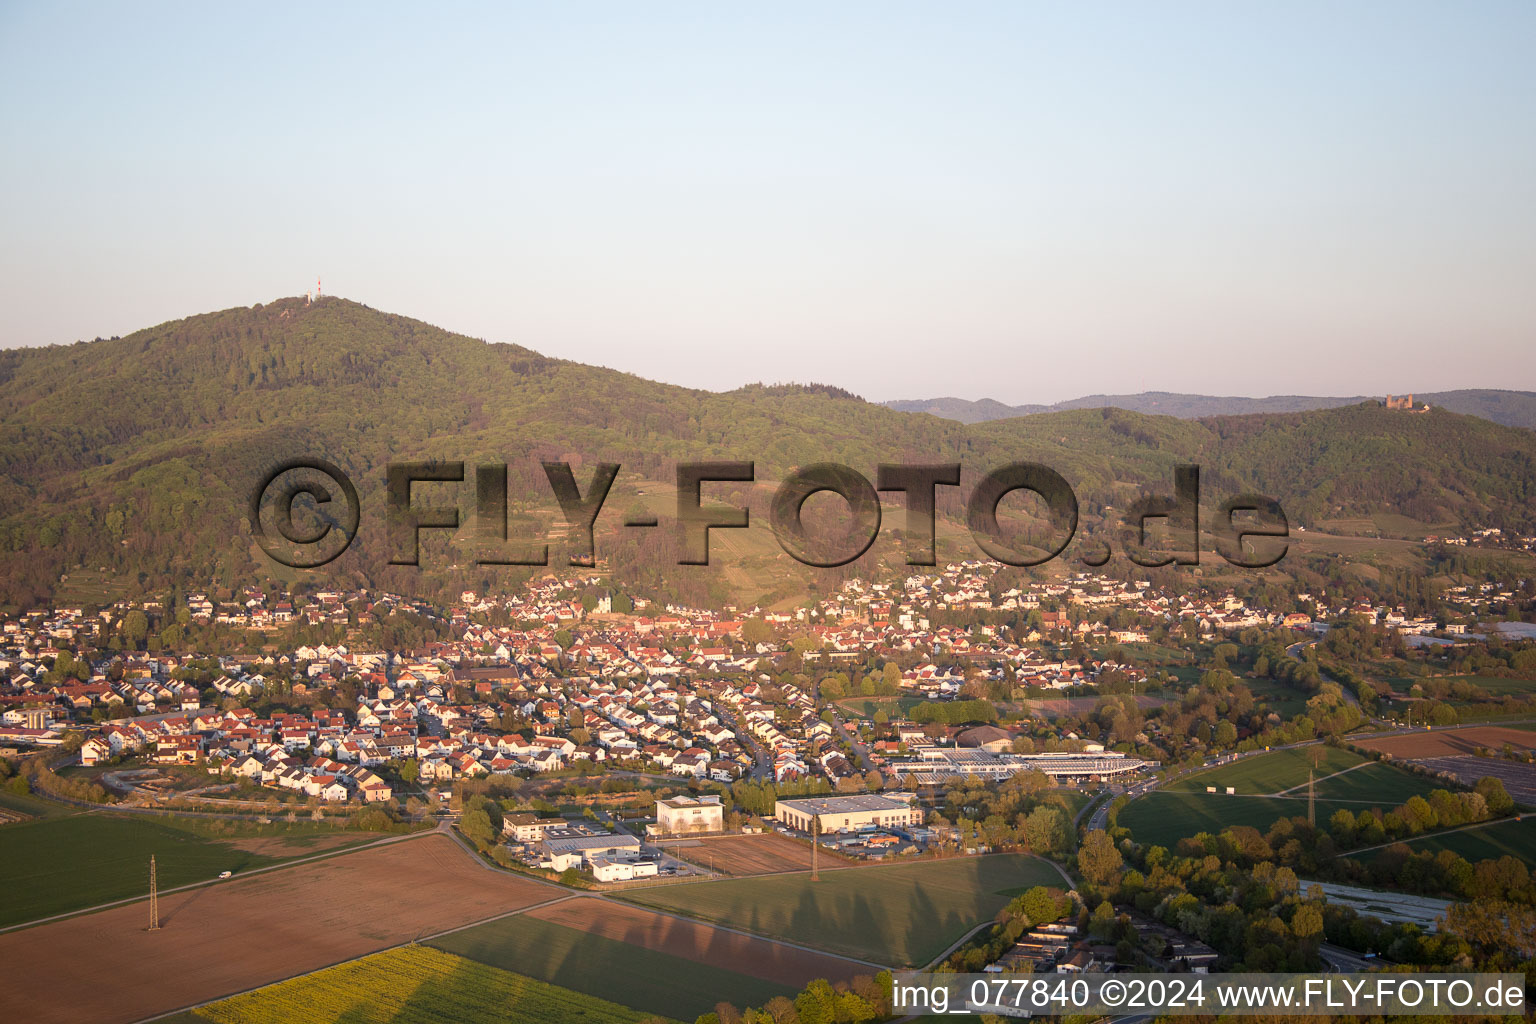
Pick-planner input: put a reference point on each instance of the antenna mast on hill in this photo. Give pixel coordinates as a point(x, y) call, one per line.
point(154, 897)
point(318, 292)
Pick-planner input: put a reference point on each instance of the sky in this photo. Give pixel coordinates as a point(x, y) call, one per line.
point(1020, 201)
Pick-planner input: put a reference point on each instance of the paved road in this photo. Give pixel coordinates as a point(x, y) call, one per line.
point(861, 752)
point(1337, 958)
point(762, 763)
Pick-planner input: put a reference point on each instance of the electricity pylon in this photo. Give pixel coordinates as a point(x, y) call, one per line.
point(154, 897)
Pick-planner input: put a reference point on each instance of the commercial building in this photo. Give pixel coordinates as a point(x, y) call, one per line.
point(936, 765)
point(607, 867)
point(846, 813)
point(684, 814)
point(580, 851)
point(529, 828)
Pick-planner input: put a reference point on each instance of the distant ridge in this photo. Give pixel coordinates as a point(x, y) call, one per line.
point(132, 459)
point(1510, 408)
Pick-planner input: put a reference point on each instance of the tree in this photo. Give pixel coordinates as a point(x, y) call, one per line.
point(1217, 680)
point(1098, 859)
point(780, 1009)
point(852, 1008)
point(817, 1004)
point(135, 627)
point(489, 807)
point(1307, 924)
point(1045, 829)
point(1042, 905)
point(756, 631)
point(1495, 795)
point(410, 771)
point(1102, 924)
point(1420, 815)
point(1505, 932)
point(476, 825)
point(1342, 827)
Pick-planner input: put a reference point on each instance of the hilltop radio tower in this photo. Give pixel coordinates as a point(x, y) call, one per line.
point(318, 292)
point(154, 897)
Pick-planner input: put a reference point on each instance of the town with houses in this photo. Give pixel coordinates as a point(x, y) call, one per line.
point(671, 690)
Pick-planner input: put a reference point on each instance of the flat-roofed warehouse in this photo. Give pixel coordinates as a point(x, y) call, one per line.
point(846, 813)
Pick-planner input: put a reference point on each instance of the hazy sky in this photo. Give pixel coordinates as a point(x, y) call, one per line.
point(1014, 200)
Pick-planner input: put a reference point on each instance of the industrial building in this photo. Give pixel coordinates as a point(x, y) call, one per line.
point(579, 851)
point(847, 813)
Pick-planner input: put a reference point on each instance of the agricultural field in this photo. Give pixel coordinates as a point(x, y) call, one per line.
point(1273, 772)
point(418, 984)
point(55, 865)
point(1162, 818)
point(680, 970)
point(895, 914)
point(27, 807)
point(298, 918)
point(91, 586)
point(1499, 686)
point(752, 855)
point(1377, 785)
point(1509, 838)
point(1519, 778)
point(1451, 742)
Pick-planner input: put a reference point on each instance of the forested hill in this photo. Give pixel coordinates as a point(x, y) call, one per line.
point(1511, 408)
point(137, 454)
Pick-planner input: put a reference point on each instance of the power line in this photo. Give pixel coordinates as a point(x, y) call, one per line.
point(815, 845)
point(154, 897)
point(1312, 797)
